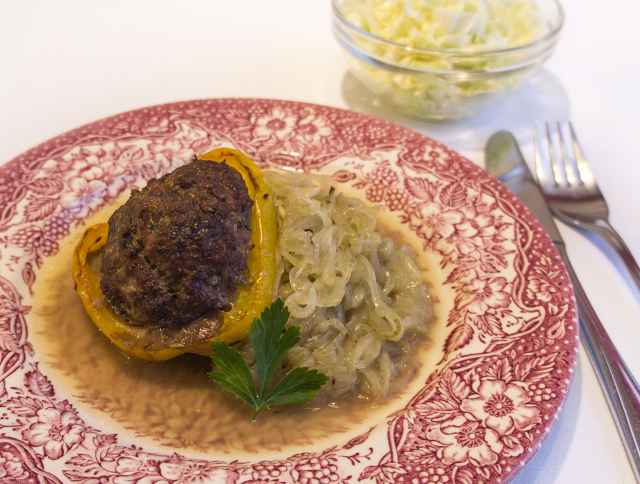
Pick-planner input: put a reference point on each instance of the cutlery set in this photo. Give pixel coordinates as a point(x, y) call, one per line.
point(564, 186)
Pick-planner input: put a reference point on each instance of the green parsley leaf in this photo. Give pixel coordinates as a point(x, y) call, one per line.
point(232, 373)
point(299, 386)
point(270, 340)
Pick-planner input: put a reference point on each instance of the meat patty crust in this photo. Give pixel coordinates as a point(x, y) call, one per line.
point(177, 249)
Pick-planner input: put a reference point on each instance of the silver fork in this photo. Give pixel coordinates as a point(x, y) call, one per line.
point(573, 194)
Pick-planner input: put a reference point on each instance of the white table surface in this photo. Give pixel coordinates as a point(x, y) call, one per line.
point(68, 63)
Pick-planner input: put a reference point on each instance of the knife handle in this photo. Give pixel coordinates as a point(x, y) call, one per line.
point(620, 388)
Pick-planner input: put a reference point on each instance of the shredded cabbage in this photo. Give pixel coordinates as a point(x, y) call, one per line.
point(465, 26)
point(468, 25)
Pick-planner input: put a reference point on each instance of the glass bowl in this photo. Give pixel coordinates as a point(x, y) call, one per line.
point(456, 83)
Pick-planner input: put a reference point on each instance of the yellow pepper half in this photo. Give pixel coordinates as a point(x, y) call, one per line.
point(251, 299)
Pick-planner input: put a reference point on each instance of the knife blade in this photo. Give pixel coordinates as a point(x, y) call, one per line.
point(504, 160)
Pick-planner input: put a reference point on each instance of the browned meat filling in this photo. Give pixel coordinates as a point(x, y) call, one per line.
point(178, 248)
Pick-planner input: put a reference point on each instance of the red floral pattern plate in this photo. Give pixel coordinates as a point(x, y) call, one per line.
point(509, 320)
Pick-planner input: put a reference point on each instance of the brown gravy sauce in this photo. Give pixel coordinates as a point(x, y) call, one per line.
point(173, 403)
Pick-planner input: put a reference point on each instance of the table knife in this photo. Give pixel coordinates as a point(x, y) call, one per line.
point(504, 160)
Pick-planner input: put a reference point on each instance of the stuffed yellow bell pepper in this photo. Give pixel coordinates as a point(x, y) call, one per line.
point(229, 325)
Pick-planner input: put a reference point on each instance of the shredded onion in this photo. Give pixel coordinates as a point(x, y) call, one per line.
point(355, 295)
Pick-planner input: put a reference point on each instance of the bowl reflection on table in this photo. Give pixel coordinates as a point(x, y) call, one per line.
point(442, 83)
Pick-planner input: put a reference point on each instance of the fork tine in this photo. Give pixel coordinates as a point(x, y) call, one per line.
point(585, 174)
point(555, 167)
point(565, 158)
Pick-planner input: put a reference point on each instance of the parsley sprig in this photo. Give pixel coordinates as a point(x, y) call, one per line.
point(270, 341)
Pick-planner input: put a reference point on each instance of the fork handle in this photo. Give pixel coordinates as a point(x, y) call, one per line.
point(620, 388)
point(610, 235)
point(613, 238)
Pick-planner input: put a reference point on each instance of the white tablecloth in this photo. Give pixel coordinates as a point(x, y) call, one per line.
point(68, 63)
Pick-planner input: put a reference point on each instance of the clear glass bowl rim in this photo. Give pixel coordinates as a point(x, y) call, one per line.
point(548, 39)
